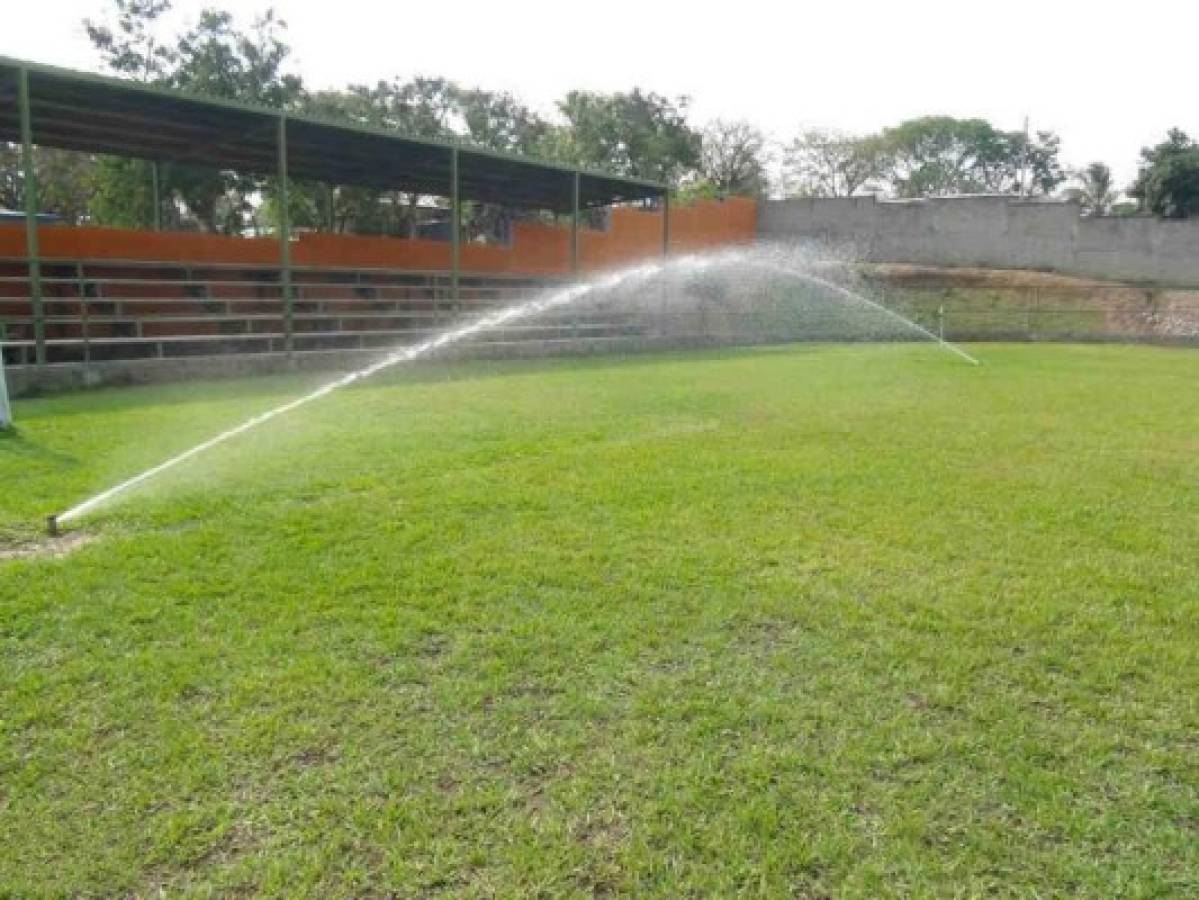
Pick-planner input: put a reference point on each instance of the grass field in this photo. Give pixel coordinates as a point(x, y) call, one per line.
point(814, 621)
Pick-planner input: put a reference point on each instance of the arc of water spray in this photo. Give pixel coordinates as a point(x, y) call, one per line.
point(854, 296)
point(490, 320)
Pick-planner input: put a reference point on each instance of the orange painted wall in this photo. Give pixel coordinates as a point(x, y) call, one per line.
point(535, 249)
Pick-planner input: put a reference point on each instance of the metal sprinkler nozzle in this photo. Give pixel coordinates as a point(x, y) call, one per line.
point(52, 525)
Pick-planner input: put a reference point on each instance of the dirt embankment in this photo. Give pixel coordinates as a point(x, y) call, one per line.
point(1005, 297)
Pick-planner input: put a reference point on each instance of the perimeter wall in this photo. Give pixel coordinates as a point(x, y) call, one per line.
point(994, 232)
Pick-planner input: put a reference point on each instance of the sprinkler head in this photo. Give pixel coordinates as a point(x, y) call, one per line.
point(52, 525)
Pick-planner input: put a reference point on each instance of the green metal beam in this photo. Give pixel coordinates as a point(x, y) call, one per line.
point(5, 406)
point(666, 223)
point(284, 213)
point(32, 248)
point(133, 90)
point(155, 189)
point(455, 228)
point(574, 226)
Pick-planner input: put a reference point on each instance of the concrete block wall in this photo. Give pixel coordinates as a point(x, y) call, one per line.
point(993, 232)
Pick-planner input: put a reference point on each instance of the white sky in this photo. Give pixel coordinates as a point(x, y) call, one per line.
point(1108, 75)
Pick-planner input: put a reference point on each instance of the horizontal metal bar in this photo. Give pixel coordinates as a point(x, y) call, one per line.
point(269, 267)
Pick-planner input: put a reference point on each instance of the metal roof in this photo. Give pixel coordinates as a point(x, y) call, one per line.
point(97, 114)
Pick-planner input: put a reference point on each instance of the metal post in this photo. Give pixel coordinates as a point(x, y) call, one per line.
point(455, 226)
point(285, 241)
point(574, 249)
point(664, 325)
point(574, 226)
point(84, 324)
point(5, 408)
point(666, 223)
point(154, 189)
point(32, 248)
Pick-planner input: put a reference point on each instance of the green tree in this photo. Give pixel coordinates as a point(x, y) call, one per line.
point(641, 135)
point(64, 181)
point(214, 57)
point(733, 159)
point(421, 107)
point(1167, 184)
point(822, 163)
point(122, 194)
point(1095, 190)
point(218, 59)
point(11, 188)
point(129, 42)
point(938, 156)
point(1037, 161)
point(499, 121)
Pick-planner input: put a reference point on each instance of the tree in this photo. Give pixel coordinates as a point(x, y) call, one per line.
point(69, 182)
point(217, 59)
point(122, 193)
point(214, 57)
point(640, 135)
point(1095, 191)
point(732, 160)
point(822, 163)
point(499, 121)
point(422, 107)
point(939, 156)
point(1040, 170)
point(11, 186)
point(64, 181)
point(1168, 181)
point(130, 44)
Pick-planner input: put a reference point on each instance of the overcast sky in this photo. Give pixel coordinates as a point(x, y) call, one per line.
point(1109, 77)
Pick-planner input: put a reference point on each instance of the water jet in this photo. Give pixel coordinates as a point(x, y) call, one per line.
point(760, 260)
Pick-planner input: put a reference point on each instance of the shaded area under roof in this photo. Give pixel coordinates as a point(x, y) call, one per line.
point(95, 114)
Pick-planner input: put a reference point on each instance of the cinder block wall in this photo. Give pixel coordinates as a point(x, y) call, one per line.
point(995, 232)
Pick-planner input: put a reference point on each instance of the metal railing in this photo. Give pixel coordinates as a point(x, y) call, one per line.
point(105, 310)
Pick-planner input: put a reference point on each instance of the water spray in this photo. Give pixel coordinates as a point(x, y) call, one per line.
point(859, 298)
point(622, 278)
point(491, 320)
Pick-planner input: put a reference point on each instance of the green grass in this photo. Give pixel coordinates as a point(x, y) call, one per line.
point(807, 621)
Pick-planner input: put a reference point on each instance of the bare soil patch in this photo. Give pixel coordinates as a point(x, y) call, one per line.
point(44, 547)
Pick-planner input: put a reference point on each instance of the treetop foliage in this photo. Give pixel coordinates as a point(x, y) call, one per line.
point(1168, 181)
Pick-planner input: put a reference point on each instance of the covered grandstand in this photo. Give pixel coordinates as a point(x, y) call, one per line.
point(76, 296)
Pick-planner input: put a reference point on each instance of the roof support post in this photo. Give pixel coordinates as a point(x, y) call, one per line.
point(666, 223)
point(29, 190)
point(574, 225)
point(455, 228)
point(156, 195)
point(5, 406)
point(285, 242)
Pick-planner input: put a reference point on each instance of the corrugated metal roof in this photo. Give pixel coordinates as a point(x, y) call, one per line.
point(96, 114)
